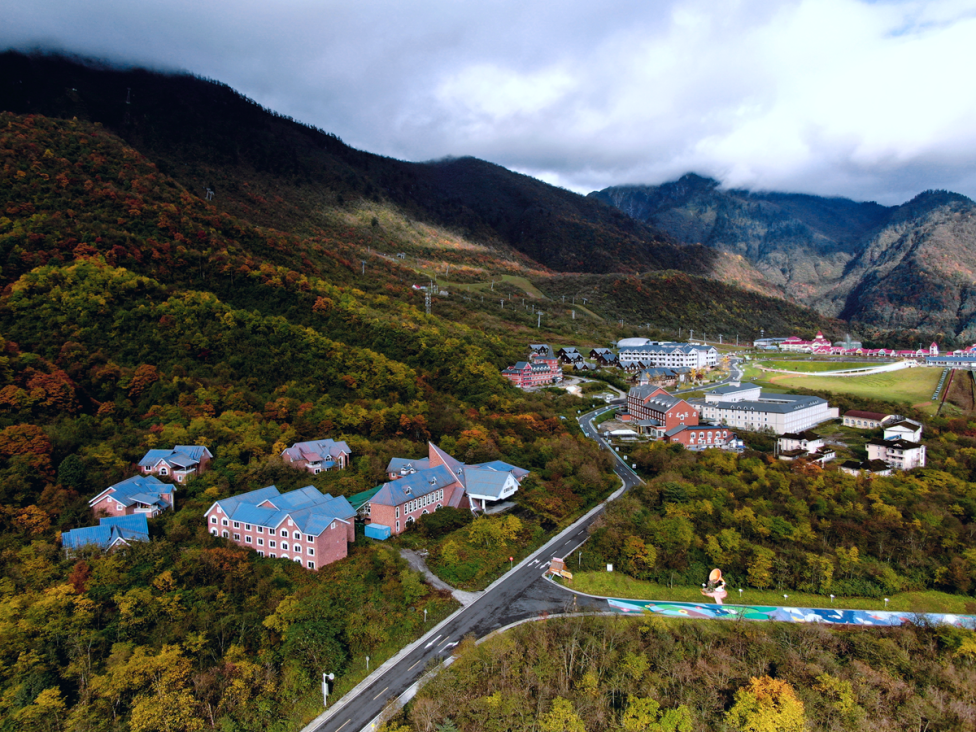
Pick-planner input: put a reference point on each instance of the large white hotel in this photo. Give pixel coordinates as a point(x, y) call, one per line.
point(746, 407)
point(668, 355)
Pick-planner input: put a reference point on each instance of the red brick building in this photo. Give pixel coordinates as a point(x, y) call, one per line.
point(442, 481)
point(537, 371)
point(303, 526)
point(654, 403)
point(318, 455)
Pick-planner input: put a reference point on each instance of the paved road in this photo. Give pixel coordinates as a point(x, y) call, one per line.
point(520, 594)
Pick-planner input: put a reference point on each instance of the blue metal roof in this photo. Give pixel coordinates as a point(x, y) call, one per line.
point(311, 511)
point(416, 484)
point(109, 530)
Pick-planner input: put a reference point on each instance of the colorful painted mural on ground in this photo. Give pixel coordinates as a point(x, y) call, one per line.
point(833, 616)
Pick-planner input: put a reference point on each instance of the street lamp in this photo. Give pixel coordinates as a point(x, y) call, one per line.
point(886, 603)
point(740, 594)
point(326, 678)
point(831, 599)
point(425, 615)
point(579, 556)
point(367, 664)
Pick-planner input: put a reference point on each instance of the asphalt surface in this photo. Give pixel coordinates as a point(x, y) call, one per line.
point(522, 593)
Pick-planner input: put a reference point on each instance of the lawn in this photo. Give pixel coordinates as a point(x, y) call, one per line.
point(914, 386)
point(615, 584)
point(814, 366)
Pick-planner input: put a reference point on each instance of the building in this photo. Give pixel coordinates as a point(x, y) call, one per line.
point(748, 408)
point(570, 355)
point(135, 495)
point(906, 429)
point(537, 371)
point(806, 445)
point(899, 454)
point(701, 436)
point(303, 525)
point(542, 349)
point(182, 462)
point(799, 345)
point(112, 532)
point(865, 420)
point(423, 486)
point(656, 411)
point(961, 361)
point(669, 355)
point(873, 467)
point(318, 455)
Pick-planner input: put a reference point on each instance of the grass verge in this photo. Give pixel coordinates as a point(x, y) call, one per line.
point(615, 584)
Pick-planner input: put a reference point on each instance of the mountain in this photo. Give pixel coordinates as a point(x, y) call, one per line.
point(883, 268)
point(274, 171)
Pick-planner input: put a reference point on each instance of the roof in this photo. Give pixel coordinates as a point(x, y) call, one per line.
point(487, 483)
point(898, 444)
point(501, 465)
point(109, 531)
point(906, 423)
point(311, 511)
point(358, 500)
point(185, 456)
point(139, 488)
point(398, 464)
point(416, 484)
point(733, 388)
point(774, 404)
point(320, 449)
point(807, 435)
point(858, 414)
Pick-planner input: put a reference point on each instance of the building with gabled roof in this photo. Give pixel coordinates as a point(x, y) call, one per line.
point(445, 481)
point(112, 532)
point(862, 420)
point(180, 462)
point(303, 525)
point(138, 494)
point(318, 455)
point(400, 467)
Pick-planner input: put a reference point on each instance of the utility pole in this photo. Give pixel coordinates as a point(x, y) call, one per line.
point(364, 266)
point(427, 296)
point(574, 315)
point(503, 304)
point(539, 322)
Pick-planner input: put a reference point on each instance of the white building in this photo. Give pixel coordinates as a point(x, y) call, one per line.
point(907, 429)
point(899, 454)
point(746, 407)
point(668, 355)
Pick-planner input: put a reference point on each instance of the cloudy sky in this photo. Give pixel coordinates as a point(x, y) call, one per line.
point(871, 100)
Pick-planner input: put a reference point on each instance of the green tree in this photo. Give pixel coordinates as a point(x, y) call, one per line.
point(561, 717)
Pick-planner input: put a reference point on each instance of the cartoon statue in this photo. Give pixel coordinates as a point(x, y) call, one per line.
point(715, 587)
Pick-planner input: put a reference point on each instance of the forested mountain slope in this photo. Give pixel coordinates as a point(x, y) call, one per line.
point(276, 172)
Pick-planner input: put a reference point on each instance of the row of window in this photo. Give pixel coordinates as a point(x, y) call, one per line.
point(272, 544)
point(311, 565)
point(260, 529)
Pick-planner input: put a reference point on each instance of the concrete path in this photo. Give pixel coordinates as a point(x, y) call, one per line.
point(418, 564)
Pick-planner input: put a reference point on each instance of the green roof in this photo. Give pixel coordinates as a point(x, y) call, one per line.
point(359, 499)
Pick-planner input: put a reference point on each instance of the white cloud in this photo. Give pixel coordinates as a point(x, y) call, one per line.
point(868, 100)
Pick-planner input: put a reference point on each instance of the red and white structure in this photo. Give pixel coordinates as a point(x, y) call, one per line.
point(537, 371)
point(318, 455)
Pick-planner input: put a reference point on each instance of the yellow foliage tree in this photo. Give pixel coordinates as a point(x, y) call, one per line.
point(561, 717)
point(766, 705)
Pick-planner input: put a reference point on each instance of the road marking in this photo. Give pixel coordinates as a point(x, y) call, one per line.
point(445, 641)
point(380, 694)
point(343, 725)
point(410, 669)
point(433, 641)
point(449, 645)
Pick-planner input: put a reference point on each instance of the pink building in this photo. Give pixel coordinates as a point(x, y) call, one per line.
point(137, 494)
point(180, 463)
point(537, 371)
point(318, 455)
point(303, 526)
point(442, 481)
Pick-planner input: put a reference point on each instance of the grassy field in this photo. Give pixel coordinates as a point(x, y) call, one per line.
point(615, 584)
point(914, 386)
point(815, 366)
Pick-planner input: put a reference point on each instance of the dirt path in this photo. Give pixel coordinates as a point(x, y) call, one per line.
point(418, 564)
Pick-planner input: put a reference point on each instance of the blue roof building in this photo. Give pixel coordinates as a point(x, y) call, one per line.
point(111, 532)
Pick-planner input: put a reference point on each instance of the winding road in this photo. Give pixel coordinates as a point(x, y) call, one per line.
point(521, 593)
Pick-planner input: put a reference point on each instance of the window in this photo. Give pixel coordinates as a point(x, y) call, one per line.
point(213, 531)
point(284, 546)
point(311, 552)
point(247, 527)
point(284, 534)
point(260, 542)
point(163, 471)
point(224, 522)
point(237, 524)
point(260, 553)
point(272, 544)
point(247, 539)
point(271, 531)
point(237, 537)
point(298, 559)
point(213, 519)
point(225, 534)
point(311, 565)
point(309, 538)
point(260, 529)
point(272, 555)
point(398, 527)
point(396, 513)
